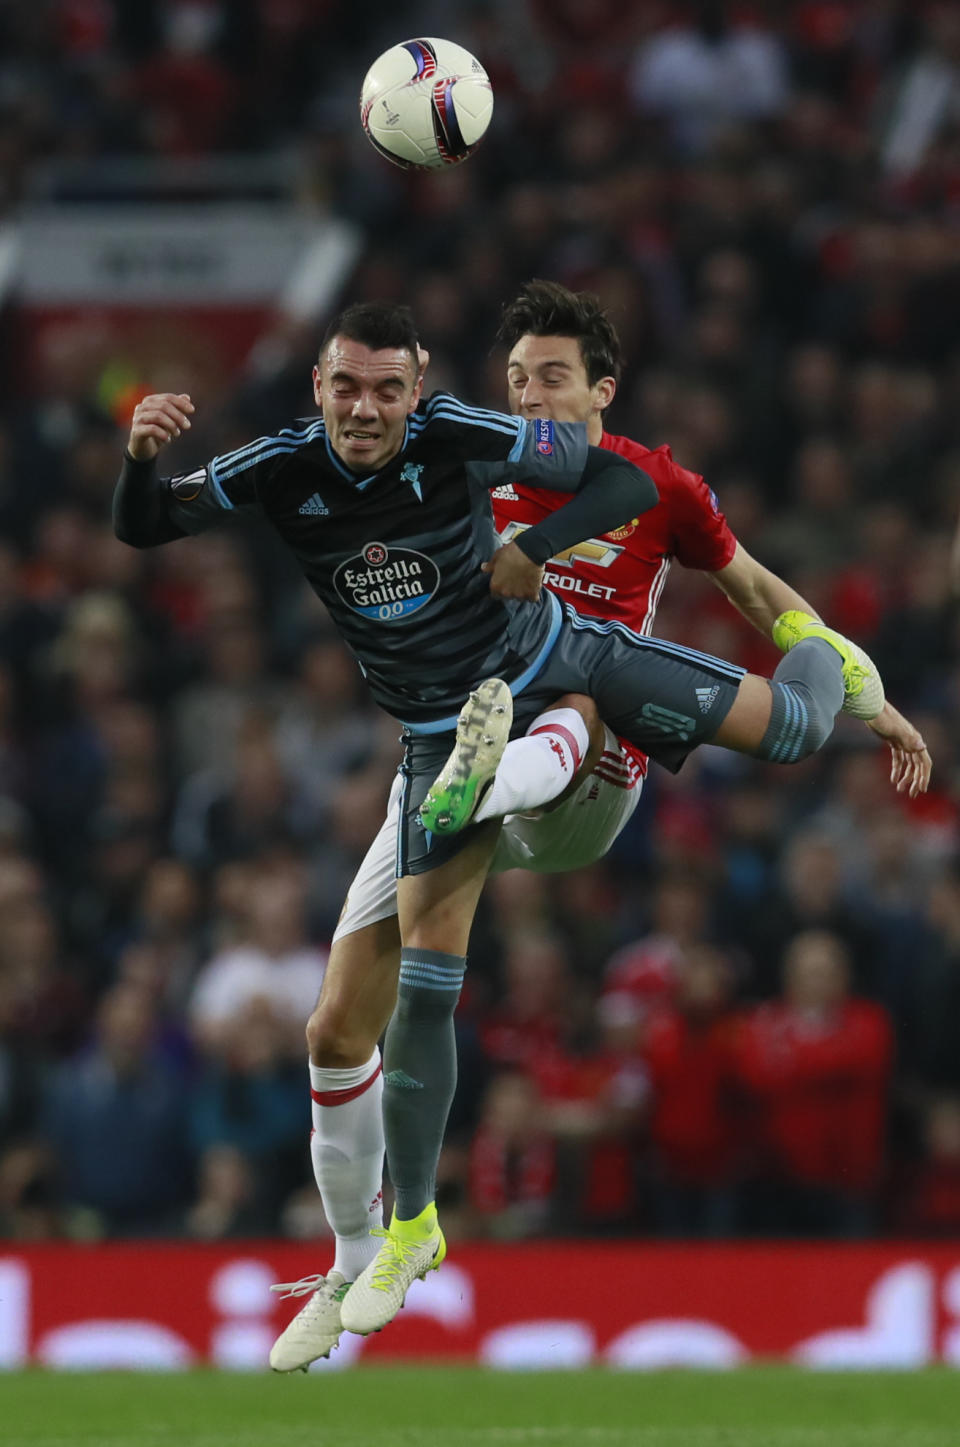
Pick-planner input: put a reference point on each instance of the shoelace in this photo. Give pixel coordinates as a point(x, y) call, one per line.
point(388, 1270)
point(303, 1287)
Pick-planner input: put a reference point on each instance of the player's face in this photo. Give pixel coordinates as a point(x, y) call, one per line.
point(546, 377)
point(366, 397)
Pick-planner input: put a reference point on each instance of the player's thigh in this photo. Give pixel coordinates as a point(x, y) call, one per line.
point(746, 723)
point(661, 696)
point(357, 997)
point(436, 907)
point(581, 830)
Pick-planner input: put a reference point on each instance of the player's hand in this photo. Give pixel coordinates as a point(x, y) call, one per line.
point(910, 762)
point(513, 575)
point(157, 420)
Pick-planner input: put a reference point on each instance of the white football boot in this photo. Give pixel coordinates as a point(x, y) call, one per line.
point(317, 1328)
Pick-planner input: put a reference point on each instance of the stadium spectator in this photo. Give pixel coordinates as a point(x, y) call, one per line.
point(710, 73)
point(816, 1064)
point(531, 1019)
point(116, 1120)
point(273, 962)
point(927, 1201)
point(694, 1118)
point(512, 1170)
point(247, 1100)
point(593, 1090)
point(810, 896)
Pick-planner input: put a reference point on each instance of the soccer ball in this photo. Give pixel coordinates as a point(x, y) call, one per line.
point(426, 104)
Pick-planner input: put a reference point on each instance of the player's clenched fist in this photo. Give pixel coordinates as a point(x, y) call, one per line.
point(156, 421)
point(513, 575)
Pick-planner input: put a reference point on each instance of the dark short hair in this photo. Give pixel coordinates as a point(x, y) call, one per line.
point(547, 309)
point(375, 324)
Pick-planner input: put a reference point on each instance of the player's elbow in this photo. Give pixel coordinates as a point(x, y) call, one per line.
point(127, 532)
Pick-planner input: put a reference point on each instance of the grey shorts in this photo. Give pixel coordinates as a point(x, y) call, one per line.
point(661, 696)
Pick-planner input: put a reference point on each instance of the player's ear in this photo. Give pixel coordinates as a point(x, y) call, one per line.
point(317, 386)
point(417, 391)
point(604, 392)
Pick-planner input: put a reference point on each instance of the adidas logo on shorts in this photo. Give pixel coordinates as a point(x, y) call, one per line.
point(314, 507)
point(706, 696)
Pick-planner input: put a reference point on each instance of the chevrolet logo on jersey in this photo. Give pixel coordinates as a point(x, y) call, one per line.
point(600, 554)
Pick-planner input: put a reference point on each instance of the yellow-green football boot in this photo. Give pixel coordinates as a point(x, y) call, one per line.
point(410, 1249)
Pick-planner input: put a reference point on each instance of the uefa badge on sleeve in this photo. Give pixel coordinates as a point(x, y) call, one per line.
point(543, 432)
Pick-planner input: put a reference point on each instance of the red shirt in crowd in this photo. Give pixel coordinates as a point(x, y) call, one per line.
point(819, 1086)
point(502, 1174)
point(694, 1122)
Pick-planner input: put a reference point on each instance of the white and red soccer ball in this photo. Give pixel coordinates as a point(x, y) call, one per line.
point(426, 104)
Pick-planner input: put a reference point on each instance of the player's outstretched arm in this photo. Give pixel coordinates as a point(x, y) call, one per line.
point(756, 592)
point(910, 762)
point(761, 596)
point(141, 513)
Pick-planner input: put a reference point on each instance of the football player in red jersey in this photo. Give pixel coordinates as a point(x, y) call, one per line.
point(563, 365)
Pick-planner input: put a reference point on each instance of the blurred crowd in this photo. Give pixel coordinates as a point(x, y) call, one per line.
point(745, 1020)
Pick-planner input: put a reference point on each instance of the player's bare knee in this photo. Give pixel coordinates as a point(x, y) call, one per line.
point(334, 1043)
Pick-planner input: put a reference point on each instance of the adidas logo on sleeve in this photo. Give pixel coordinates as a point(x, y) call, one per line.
point(314, 507)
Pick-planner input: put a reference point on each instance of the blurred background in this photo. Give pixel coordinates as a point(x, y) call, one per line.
point(745, 1021)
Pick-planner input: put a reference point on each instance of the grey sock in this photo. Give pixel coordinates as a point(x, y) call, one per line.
point(808, 691)
point(420, 1074)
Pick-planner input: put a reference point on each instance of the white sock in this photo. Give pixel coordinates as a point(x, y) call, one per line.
point(538, 767)
point(347, 1151)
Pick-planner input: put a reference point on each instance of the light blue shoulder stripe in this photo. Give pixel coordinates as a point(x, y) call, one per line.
point(516, 451)
point(244, 457)
point(447, 414)
point(291, 434)
point(447, 399)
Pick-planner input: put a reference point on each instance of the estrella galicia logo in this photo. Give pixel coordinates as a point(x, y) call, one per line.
point(543, 435)
point(387, 584)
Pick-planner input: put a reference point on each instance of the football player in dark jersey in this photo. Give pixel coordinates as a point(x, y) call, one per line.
point(384, 500)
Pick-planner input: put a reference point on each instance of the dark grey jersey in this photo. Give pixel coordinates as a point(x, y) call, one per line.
point(396, 556)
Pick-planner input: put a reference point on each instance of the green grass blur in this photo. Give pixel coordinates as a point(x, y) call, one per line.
point(454, 1407)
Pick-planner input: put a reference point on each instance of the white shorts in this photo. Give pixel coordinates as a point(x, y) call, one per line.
point(572, 836)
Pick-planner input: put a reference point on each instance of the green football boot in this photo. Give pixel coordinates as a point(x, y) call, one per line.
point(483, 731)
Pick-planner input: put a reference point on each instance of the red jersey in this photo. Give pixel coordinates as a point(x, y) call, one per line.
point(621, 575)
point(820, 1089)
